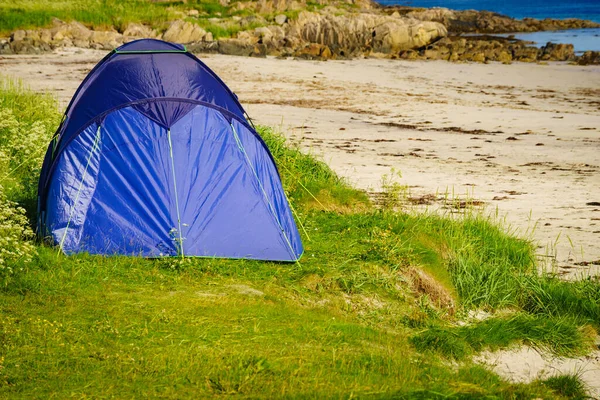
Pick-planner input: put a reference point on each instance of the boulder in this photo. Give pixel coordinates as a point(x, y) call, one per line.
point(314, 51)
point(137, 30)
point(557, 52)
point(45, 35)
point(504, 57)
point(278, 6)
point(281, 19)
point(525, 54)
point(235, 47)
point(18, 35)
point(72, 30)
point(82, 43)
point(589, 58)
point(271, 36)
point(107, 40)
point(354, 33)
point(184, 32)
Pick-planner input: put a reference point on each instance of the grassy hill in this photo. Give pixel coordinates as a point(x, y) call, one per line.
point(116, 14)
point(371, 310)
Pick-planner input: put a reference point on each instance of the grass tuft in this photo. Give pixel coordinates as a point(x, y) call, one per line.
point(569, 386)
point(561, 336)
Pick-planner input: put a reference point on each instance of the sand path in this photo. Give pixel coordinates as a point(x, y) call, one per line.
point(523, 139)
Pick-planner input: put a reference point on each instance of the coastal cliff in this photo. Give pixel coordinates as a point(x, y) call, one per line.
point(290, 28)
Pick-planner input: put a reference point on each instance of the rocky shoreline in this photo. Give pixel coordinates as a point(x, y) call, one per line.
point(364, 30)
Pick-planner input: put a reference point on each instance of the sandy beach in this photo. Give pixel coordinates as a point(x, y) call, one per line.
point(521, 141)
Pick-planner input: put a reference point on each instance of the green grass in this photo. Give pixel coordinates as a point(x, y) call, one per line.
point(27, 14)
point(570, 386)
point(105, 14)
point(353, 318)
point(560, 336)
point(226, 28)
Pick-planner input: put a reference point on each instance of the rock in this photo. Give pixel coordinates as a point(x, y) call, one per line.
point(248, 37)
point(558, 52)
point(271, 36)
point(33, 35)
point(259, 50)
point(314, 51)
point(409, 55)
point(472, 21)
point(77, 30)
point(281, 19)
point(361, 33)
point(436, 14)
point(104, 37)
point(58, 36)
point(57, 22)
point(184, 32)
point(18, 35)
point(45, 35)
point(193, 13)
point(81, 43)
point(589, 58)
point(277, 6)
point(476, 56)
point(525, 54)
point(203, 47)
point(505, 57)
point(476, 49)
point(72, 30)
point(235, 47)
point(137, 30)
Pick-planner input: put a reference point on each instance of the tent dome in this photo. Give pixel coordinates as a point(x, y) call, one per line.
point(155, 157)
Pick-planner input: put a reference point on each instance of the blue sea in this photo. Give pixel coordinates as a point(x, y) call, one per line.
point(582, 39)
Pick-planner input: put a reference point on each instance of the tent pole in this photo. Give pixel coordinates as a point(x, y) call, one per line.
point(93, 149)
point(180, 249)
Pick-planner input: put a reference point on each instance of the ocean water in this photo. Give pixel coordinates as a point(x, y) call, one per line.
point(582, 39)
point(559, 9)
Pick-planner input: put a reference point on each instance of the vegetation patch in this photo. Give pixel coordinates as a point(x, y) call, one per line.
point(372, 308)
point(561, 336)
point(569, 386)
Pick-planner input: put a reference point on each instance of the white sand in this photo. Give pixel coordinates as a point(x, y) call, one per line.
point(526, 364)
point(447, 127)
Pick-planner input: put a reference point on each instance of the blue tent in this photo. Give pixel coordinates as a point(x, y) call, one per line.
point(155, 157)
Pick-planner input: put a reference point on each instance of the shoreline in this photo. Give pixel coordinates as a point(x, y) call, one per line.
point(337, 31)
